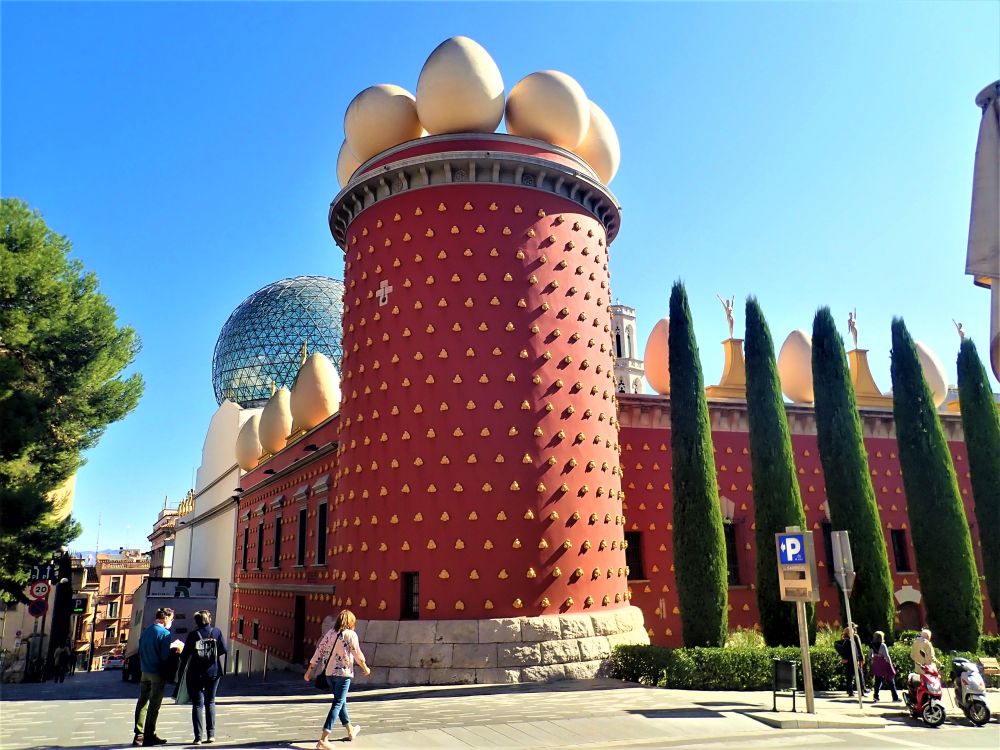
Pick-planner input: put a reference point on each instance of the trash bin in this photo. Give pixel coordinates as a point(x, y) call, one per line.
point(783, 680)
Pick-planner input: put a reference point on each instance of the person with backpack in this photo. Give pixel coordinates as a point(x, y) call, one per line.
point(202, 654)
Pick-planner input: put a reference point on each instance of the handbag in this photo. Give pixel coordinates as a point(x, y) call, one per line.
point(182, 696)
point(319, 681)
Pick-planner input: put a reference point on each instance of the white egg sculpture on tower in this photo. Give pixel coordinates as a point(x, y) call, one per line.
point(795, 367)
point(276, 422)
point(347, 164)
point(460, 89)
point(600, 147)
point(657, 356)
point(933, 373)
point(316, 393)
point(550, 106)
point(248, 449)
point(380, 117)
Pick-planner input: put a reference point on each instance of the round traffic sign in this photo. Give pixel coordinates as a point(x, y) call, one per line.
point(40, 589)
point(38, 608)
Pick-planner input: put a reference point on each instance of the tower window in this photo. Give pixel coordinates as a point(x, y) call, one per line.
point(618, 343)
point(633, 555)
point(411, 597)
point(732, 554)
point(900, 551)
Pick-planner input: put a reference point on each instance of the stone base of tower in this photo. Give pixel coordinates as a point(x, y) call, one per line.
point(502, 650)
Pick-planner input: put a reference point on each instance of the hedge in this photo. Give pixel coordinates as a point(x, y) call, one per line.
point(747, 668)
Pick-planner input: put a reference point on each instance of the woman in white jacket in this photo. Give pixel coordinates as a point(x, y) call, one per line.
point(338, 651)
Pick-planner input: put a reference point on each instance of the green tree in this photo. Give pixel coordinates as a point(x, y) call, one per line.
point(777, 501)
point(61, 357)
point(699, 542)
point(849, 491)
point(981, 424)
point(942, 542)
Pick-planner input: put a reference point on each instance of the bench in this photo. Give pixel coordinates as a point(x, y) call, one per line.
point(991, 669)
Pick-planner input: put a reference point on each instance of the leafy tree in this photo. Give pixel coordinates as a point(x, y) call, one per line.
point(941, 539)
point(777, 501)
point(699, 542)
point(849, 490)
point(61, 355)
point(982, 443)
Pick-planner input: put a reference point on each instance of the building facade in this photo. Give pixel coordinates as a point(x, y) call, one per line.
point(118, 576)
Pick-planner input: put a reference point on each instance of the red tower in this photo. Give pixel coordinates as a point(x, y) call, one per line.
point(478, 475)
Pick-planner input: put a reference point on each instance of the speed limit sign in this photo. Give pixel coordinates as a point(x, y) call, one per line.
point(40, 589)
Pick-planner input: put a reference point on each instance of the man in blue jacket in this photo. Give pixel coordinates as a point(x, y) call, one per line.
point(154, 655)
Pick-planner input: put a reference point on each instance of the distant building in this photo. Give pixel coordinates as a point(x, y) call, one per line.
point(161, 551)
point(118, 576)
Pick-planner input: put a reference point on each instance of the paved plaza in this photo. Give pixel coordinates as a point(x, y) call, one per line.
point(95, 710)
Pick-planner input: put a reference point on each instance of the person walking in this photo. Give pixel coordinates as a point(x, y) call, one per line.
point(203, 651)
point(854, 662)
point(883, 670)
point(60, 661)
point(336, 654)
point(154, 657)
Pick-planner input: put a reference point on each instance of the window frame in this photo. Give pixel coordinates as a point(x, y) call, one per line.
point(733, 578)
point(322, 532)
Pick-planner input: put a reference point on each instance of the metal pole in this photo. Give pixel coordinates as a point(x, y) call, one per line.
point(249, 662)
point(807, 674)
point(236, 663)
point(854, 654)
point(263, 677)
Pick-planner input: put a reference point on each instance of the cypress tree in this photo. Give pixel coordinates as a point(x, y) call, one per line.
point(982, 444)
point(777, 502)
point(942, 542)
point(849, 491)
point(699, 542)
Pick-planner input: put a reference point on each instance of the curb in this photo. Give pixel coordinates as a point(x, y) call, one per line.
point(817, 721)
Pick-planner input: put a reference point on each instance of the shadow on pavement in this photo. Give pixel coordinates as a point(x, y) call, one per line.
point(677, 713)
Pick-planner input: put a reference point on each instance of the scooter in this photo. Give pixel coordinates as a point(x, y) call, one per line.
point(923, 695)
point(970, 690)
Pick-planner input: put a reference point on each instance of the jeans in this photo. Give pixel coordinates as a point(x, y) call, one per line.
point(339, 708)
point(202, 689)
point(849, 676)
point(890, 683)
point(150, 697)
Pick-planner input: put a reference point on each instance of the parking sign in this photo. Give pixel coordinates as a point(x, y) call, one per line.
point(791, 549)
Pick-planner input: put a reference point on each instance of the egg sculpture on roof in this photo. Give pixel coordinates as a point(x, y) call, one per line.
point(316, 393)
point(276, 422)
point(248, 450)
point(460, 89)
point(550, 106)
point(795, 367)
point(657, 356)
point(347, 164)
point(380, 117)
point(933, 373)
point(600, 147)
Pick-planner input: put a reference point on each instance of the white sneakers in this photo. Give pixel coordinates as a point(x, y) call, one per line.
point(353, 734)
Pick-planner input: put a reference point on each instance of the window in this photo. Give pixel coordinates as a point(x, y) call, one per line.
point(732, 554)
point(239, 627)
point(300, 558)
point(123, 638)
point(618, 343)
point(828, 544)
point(255, 631)
point(112, 610)
point(411, 597)
point(321, 535)
point(260, 545)
point(276, 560)
point(110, 633)
point(900, 551)
point(633, 555)
point(116, 585)
point(246, 545)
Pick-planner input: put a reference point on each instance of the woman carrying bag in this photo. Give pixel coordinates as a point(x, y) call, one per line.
point(882, 668)
point(337, 651)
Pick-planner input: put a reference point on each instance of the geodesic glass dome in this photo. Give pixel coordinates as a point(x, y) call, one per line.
point(262, 340)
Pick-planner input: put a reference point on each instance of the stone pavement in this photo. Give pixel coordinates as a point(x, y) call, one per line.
point(95, 710)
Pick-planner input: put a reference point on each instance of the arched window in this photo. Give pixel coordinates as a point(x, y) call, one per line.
point(621, 385)
point(635, 385)
point(618, 342)
point(631, 343)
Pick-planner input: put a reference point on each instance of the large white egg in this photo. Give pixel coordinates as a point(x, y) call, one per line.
point(276, 422)
point(550, 106)
point(248, 450)
point(380, 117)
point(460, 89)
point(600, 147)
point(656, 357)
point(316, 393)
point(795, 367)
point(933, 373)
point(347, 164)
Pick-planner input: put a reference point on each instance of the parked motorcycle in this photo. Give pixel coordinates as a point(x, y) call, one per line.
point(970, 690)
point(923, 695)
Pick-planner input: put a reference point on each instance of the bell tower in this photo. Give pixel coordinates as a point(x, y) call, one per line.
point(628, 367)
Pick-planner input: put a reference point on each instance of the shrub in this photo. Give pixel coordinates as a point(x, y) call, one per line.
point(827, 635)
point(745, 638)
point(940, 529)
point(989, 645)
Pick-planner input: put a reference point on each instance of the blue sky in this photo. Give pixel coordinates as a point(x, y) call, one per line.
point(810, 154)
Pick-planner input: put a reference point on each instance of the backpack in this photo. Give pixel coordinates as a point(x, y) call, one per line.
point(206, 650)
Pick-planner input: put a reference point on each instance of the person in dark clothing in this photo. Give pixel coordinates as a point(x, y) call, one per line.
point(202, 654)
point(154, 656)
point(854, 663)
point(882, 667)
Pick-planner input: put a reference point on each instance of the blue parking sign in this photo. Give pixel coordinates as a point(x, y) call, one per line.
point(791, 549)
